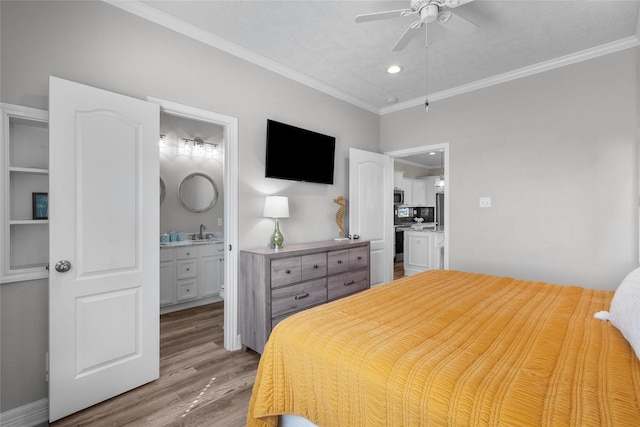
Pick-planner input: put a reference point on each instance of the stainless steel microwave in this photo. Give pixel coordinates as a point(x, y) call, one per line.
point(398, 197)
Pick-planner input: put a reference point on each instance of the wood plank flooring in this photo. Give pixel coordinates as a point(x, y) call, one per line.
point(200, 384)
point(398, 270)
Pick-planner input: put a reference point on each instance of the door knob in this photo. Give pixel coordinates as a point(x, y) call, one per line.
point(63, 266)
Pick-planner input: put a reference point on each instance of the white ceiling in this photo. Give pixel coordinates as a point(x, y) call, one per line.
point(319, 44)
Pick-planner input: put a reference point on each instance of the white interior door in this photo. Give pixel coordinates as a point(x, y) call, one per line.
point(104, 222)
point(371, 208)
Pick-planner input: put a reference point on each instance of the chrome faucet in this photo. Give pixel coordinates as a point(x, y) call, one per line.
point(202, 227)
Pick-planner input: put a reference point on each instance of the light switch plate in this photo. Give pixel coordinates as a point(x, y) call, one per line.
point(485, 202)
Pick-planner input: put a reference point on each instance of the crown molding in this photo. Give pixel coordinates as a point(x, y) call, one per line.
point(541, 67)
point(161, 18)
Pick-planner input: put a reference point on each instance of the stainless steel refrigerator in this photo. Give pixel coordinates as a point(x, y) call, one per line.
point(440, 209)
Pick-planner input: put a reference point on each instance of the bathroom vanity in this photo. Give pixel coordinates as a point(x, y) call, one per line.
point(191, 274)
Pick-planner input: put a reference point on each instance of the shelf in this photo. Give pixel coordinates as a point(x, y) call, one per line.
point(28, 221)
point(28, 170)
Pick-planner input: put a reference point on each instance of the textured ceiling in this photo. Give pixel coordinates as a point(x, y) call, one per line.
point(319, 43)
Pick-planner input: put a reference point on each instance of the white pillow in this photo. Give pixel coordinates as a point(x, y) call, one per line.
point(625, 309)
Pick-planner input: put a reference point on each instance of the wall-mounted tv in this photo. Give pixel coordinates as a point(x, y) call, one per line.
point(299, 154)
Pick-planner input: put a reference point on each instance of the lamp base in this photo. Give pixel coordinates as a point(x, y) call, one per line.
point(277, 239)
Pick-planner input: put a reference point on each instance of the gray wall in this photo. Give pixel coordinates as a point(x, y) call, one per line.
point(557, 153)
point(102, 46)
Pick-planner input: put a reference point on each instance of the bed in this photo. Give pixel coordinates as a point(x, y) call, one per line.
point(454, 348)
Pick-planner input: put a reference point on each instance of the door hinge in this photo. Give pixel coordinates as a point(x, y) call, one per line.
point(229, 248)
point(46, 366)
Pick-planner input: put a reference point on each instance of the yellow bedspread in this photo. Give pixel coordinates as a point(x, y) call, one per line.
point(451, 348)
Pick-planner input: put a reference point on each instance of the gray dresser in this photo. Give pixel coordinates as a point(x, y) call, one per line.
point(274, 284)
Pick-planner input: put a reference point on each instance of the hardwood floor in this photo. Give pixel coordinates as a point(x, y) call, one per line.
point(200, 384)
point(398, 270)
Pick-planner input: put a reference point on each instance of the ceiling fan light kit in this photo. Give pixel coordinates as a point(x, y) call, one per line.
point(428, 11)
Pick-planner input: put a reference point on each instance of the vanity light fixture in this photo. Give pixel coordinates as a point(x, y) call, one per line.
point(185, 147)
point(276, 207)
point(199, 147)
point(394, 69)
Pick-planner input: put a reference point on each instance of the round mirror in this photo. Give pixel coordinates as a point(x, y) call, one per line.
point(163, 190)
point(197, 192)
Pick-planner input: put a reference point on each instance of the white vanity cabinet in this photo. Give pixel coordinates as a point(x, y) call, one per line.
point(211, 268)
point(190, 275)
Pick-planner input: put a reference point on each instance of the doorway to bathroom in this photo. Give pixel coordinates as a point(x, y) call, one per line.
point(198, 220)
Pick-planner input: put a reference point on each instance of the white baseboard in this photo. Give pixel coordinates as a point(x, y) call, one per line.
point(28, 415)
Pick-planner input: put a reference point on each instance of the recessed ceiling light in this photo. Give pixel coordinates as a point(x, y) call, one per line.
point(432, 153)
point(394, 69)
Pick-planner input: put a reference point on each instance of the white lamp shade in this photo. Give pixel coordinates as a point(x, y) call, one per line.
point(276, 207)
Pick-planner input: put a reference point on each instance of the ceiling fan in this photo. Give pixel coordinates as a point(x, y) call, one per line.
point(427, 11)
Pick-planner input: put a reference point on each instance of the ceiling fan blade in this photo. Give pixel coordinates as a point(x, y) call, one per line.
point(409, 34)
point(383, 15)
point(456, 23)
point(455, 3)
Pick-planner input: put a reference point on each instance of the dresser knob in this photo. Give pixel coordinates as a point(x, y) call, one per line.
point(359, 258)
point(339, 261)
point(288, 271)
point(315, 266)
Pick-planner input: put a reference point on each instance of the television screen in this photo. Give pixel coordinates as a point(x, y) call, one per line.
point(299, 154)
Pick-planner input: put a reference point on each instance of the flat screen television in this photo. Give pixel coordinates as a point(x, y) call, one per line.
point(298, 154)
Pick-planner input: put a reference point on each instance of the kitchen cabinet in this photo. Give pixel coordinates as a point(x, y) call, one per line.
point(190, 275)
point(274, 284)
point(24, 171)
point(415, 192)
point(423, 250)
point(431, 189)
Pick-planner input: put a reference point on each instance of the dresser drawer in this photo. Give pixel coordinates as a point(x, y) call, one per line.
point(358, 257)
point(187, 289)
point(187, 269)
point(285, 271)
point(186, 253)
point(313, 266)
point(294, 298)
point(338, 261)
point(347, 283)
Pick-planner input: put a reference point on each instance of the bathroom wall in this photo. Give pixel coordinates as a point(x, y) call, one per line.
point(175, 166)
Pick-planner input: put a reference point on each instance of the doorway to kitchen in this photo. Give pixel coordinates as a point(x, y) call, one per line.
point(424, 159)
point(229, 154)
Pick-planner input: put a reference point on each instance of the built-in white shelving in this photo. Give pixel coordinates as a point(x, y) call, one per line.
point(24, 170)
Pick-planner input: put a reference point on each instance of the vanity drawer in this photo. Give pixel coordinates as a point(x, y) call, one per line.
point(285, 271)
point(187, 269)
point(186, 253)
point(347, 283)
point(313, 266)
point(166, 255)
point(206, 250)
point(187, 289)
point(294, 298)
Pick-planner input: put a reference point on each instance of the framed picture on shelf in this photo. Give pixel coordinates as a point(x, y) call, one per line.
point(40, 205)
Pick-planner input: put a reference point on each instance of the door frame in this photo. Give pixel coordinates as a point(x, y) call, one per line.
point(230, 186)
point(425, 149)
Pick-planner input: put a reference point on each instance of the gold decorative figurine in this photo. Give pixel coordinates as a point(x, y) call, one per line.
point(340, 217)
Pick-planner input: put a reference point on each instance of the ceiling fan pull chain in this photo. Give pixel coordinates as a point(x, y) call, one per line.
point(426, 71)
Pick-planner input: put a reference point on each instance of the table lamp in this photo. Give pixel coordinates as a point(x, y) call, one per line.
point(276, 207)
